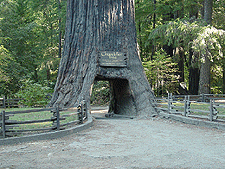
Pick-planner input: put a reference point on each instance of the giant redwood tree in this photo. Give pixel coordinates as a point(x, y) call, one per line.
point(100, 44)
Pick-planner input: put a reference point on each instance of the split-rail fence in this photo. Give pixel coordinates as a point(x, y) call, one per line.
point(9, 128)
point(9, 103)
point(208, 106)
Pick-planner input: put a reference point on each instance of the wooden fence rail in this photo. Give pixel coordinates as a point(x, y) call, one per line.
point(8, 126)
point(200, 98)
point(192, 106)
point(12, 102)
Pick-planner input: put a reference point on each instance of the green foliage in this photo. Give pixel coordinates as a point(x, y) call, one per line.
point(203, 40)
point(18, 37)
point(100, 93)
point(9, 72)
point(219, 14)
point(29, 32)
point(186, 34)
point(216, 79)
point(178, 33)
point(209, 41)
point(161, 73)
point(34, 94)
point(177, 25)
point(4, 54)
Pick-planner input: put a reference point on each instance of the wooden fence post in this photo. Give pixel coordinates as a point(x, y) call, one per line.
point(188, 105)
point(203, 97)
point(3, 124)
point(82, 112)
point(215, 111)
point(169, 103)
point(85, 109)
point(4, 106)
point(185, 106)
point(58, 120)
point(211, 110)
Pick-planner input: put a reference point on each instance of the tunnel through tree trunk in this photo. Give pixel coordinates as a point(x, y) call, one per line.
point(122, 100)
point(100, 43)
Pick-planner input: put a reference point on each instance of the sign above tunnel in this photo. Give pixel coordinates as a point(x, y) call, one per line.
point(112, 59)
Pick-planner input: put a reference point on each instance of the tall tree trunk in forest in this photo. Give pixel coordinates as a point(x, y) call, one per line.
point(194, 70)
point(223, 85)
point(193, 80)
point(154, 23)
point(194, 73)
point(60, 31)
point(100, 43)
point(204, 81)
point(181, 64)
point(193, 11)
point(208, 4)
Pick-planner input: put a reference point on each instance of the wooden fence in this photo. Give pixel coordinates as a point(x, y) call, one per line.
point(13, 102)
point(12, 127)
point(200, 98)
point(213, 107)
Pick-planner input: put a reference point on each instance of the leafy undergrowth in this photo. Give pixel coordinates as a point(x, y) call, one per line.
point(100, 93)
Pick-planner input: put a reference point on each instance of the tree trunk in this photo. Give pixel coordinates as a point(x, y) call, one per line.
point(193, 11)
point(208, 4)
point(194, 74)
point(223, 85)
point(204, 81)
point(60, 31)
point(193, 80)
point(100, 44)
point(194, 71)
point(181, 64)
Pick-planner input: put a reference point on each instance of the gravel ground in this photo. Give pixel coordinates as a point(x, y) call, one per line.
point(123, 143)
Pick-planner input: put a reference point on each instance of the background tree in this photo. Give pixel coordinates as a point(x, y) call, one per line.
point(204, 81)
point(18, 37)
point(178, 25)
point(30, 32)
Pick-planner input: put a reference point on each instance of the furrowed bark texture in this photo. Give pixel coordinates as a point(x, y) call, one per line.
point(102, 25)
point(204, 81)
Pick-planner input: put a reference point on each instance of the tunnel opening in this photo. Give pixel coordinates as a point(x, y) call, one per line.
point(100, 93)
point(114, 93)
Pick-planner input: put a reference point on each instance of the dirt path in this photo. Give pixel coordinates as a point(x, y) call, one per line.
point(123, 143)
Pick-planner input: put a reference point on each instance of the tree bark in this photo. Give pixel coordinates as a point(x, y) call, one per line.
point(194, 71)
point(60, 31)
point(208, 4)
point(102, 25)
point(194, 74)
point(193, 80)
point(223, 85)
point(204, 81)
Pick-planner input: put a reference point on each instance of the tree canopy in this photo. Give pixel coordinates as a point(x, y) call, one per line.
point(182, 30)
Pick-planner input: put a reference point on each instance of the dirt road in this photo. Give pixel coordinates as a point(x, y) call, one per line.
point(123, 143)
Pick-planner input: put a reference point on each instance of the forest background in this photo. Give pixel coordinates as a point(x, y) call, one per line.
point(181, 44)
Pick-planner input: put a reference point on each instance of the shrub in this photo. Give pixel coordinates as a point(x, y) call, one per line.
point(100, 93)
point(33, 94)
